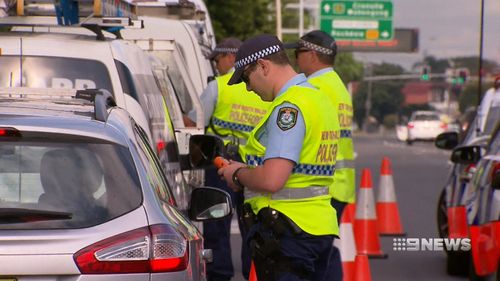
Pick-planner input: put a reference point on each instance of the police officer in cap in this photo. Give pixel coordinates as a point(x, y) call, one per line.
point(290, 159)
point(231, 112)
point(315, 56)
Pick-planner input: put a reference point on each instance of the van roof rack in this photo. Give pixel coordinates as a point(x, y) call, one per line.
point(101, 98)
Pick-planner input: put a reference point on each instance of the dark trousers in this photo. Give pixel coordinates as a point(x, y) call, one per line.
point(335, 268)
point(303, 252)
point(217, 235)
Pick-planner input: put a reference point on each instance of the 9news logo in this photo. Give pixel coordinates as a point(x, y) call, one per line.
point(431, 244)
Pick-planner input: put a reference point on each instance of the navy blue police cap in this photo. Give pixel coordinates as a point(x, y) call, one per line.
point(316, 40)
point(229, 45)
point(253, 49)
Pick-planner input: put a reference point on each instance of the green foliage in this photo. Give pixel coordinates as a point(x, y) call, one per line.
point(241, 19)
point(469, 96)
point(471, 63)
point(290, 16)
point(390, 121)
point(348, 68)
point(408, 110)
point(386, 95)
point(436, 65)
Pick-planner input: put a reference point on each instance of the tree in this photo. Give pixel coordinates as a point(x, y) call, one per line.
point(386, 95)
point(348, 68)
point(469, 95)
point(241, 19)
point(471, 63)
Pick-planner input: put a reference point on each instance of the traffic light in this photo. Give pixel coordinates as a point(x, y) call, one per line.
point(425, 73)
point(462, 75)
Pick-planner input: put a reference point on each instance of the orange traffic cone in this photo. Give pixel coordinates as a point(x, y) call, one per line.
point(346, 244)
point(253, 275)
point(388, 219)
point(365, 222)
point(457, 222)
point(362, 266)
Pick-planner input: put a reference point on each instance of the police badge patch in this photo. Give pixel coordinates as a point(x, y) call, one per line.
point(287, 118)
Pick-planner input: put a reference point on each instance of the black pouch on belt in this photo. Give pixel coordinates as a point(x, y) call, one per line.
point(277, 221)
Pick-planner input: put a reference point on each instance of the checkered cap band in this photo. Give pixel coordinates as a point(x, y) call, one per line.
point(226, 50)
point(231, 125)
point(345, 133)
point(258, 55)
point(314, 47)
point(307, 169)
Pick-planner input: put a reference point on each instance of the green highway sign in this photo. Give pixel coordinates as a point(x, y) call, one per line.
point(357, 20)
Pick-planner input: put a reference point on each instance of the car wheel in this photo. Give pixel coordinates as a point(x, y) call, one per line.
point(457, 263)
point(409, 142)
point(442, 215)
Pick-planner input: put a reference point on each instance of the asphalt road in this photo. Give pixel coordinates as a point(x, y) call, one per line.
point(419, 173)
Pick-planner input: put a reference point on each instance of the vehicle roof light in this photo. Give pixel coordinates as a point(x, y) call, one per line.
point(9, 132)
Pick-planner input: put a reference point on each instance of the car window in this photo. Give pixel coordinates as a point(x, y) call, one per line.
point(170, 99)
point(178, 84)
point(126, 80)
point(155, 173)
point(92, 182)
point(426, 117)
point(54, 72)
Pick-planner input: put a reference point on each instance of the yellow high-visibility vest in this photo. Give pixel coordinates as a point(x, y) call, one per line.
point(344, 186)
point(237, 111)
point(305, 198)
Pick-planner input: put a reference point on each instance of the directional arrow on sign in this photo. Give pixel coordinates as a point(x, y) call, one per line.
point(326, 8)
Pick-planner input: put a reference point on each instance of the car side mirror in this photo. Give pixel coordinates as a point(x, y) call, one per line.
point(466, 155)
point(208, 203)
point(203, 149)
point(446, 140)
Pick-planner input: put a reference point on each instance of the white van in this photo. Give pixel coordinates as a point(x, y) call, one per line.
point(188, 24)
point(179, 36)
point(40, 54)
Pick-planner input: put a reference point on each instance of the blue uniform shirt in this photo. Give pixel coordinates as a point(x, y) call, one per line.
point(284, 143)
point(320, 72)
point(208, 101)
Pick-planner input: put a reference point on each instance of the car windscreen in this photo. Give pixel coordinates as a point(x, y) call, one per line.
point(53, 72)
point(426, 117)
point(65, 185)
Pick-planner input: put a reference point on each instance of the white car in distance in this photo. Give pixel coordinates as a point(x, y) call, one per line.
point(424, 125)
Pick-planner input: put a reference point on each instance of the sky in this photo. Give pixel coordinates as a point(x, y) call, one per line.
point(447, 28)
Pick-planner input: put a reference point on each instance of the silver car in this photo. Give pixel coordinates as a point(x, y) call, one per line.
point(83, 196)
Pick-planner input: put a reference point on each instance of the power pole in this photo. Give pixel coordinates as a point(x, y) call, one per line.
point(301, 18)
point(480, 70)
point(278, 19)
point(368, 101)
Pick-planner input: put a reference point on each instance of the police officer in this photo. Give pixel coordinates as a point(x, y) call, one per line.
point(290, 159)
point(231, 112)
point(315, 55)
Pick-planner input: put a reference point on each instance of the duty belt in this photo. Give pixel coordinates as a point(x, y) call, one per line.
point(291, 193)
